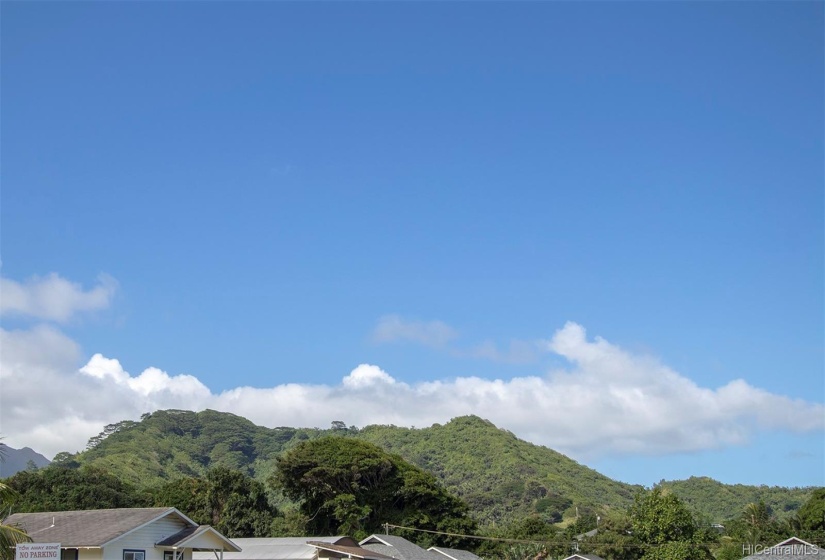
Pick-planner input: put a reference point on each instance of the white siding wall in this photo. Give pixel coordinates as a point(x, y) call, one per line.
point(144, 539)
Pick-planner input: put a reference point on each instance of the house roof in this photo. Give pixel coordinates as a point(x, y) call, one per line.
point(350, 551)
point(199, 537)
point(285, 548)
point(398, 548)
point(454, 553)
point(89, 528)
point(584, 557)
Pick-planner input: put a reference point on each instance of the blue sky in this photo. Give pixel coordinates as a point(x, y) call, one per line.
point(404, 212)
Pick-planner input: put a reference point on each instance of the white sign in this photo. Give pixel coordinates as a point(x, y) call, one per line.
point(37, 551)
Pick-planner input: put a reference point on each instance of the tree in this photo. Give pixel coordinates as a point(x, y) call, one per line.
point(658, 517)
point(233, 503)
point(65, 459)
point(811, 516)
point(615, 539)
point(812, 513)
point(678, 550)
point(526, 538)
point(665, 527)
point(64, 489)
point(10, 536)
point(353, 487)
point(186, 494)
point(758, 518)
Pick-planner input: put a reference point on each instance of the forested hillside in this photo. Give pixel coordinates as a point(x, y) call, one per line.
point(716, 501)
point(170, 444)
point(501, 477)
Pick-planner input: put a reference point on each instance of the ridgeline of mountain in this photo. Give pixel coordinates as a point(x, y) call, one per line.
point(16, 460)
point(500, 476)
point(715, 500)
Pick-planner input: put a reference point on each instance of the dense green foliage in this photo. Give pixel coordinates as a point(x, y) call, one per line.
point(528, 537)
point(658, 517)
point(614, 539)
point(351, 487)
point(58, 488)
point(757, 525)
point(502, 478)
point(719, 502)
point(233, 503)
point(811, 516)
point(658, 526)
point(171, 444)
point(666, 528)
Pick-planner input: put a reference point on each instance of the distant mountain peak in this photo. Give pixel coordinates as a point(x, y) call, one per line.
point(16, 460)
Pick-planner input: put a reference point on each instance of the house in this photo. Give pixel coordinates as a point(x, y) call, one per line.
point(123, 534)
point(398, 548)
point(789, 549)
point(454, 553)
point(584, 557)
point(296, 548)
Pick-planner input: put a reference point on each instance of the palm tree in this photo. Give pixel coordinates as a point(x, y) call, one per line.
point(9, 535)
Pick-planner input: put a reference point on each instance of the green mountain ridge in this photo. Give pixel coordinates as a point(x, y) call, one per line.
point(501, 477)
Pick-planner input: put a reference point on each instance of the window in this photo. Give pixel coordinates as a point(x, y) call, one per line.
point(134, 555)
point(68, 554)
point(170, 555)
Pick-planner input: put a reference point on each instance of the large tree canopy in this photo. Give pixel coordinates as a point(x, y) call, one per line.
point(665, 527)
point(57, 488)
point(347, 486)
point(233, 503)
point(812, 515)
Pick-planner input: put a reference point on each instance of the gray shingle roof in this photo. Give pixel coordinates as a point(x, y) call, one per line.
point(351, 551)
point(92, 528)
point(454, 553)
point(189, 537)
point(179, 536)
point(283, 548)
point(398, 548)
point(584, 557)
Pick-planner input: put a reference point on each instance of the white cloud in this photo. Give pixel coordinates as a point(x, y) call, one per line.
point(152, 382)
point(393, 328)
point(45, 401)
point(608, 402)
point(53, 298)
point(365, 376)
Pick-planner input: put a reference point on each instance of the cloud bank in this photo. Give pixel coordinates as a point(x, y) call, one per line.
point(607, 402)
